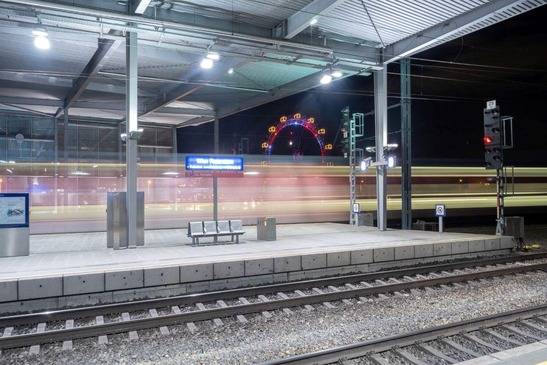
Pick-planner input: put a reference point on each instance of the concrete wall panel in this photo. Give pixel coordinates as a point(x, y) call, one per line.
point(316, 261)
point(161, 276)
point(338, 259)
point(81, 284)
point(284, 264)
point(8, 291)
point(361, 257)
point(259, 267)
point(224, 270)
point(192, 273)
point(119, 280)
point(40, 288)
point(384, 254)
point(404, 253)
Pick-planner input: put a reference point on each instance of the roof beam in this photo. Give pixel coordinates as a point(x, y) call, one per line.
point(105, 49)
point(446, 31)
point(295, 87)
point(300, 20)
point(219, 70)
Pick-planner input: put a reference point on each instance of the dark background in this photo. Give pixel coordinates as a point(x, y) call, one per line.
point(450, 86)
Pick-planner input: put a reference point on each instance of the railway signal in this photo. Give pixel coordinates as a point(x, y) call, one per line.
point(493, 155)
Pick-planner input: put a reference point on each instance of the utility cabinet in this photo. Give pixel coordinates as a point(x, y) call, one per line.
point(266, 229)
point(116, 220)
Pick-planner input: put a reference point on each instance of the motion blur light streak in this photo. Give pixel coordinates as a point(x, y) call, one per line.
point(290, 192)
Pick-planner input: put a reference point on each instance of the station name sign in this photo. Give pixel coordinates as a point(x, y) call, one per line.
point(214, 166)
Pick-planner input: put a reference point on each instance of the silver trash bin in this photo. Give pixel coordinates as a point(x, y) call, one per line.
point(266, 229)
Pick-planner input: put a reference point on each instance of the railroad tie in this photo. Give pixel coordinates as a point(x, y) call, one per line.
point(190, 325)
point(35, 349)
point(534, 326)
point(103, 340)
point(266, 314)
point(132, 334)
point(475, 339)
point(326, 304)
point(459, 347)
point(7, 333)
point(287, 311)
point(67, 345)
point(434, 352)
point(345, 301)
point(163, 329)
point(408, 278)
point(377, 359)
point(502, 337)
point(300, 293)
point(217, 321)
point(516, 330)
point(408, 357)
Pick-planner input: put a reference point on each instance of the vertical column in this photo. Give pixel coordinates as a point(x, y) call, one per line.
point(175, 147)
point(131, 143)
point(380, 113)
point(406, 145)
point(215, 180)
point(65, 135)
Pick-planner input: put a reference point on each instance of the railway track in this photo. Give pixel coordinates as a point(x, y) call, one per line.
point(447, 344)
point(65, 326)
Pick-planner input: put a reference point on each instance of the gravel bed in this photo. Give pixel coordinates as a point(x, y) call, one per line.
point(262, 339)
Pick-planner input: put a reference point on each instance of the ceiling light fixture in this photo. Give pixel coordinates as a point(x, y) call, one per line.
point(336, 73)
point(206, 63)
point(313, 21)
point(326, 79)
point(231, 71)
point(40, 39)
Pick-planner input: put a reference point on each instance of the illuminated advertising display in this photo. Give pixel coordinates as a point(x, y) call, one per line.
point(14, 210)
point(217, 163)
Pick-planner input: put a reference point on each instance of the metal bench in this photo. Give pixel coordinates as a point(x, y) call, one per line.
point(236, 229)
point(197, 230)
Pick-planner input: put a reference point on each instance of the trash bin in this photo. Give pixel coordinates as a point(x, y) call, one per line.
point(265, 229)
point(365, 220)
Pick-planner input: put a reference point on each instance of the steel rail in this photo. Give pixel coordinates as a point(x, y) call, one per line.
point(63, 314)
point(364, 348)
point(207, 314)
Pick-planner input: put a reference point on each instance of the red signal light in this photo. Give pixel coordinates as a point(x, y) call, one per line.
point(487, 139)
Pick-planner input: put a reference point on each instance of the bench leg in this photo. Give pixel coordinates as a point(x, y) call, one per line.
point(237, 238)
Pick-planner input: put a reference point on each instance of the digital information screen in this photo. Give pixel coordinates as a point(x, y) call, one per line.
point(218, 163)
point(14, 210)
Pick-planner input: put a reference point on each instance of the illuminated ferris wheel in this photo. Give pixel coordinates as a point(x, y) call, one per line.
point(295, 130)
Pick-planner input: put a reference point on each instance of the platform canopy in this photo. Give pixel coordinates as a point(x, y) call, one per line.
point(267, 50)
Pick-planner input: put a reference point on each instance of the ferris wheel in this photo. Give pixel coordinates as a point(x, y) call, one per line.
point(296, 130)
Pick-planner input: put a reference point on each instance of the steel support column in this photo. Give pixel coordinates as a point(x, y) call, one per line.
point(406, 144)
point(131, 144)
point(65, 137)
point(380, 109)
point(215, 180)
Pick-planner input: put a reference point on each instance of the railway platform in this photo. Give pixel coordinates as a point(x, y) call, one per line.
point(66, 270)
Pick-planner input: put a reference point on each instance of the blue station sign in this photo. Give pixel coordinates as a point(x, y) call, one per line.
point(214, 163)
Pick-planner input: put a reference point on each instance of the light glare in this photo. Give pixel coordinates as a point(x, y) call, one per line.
point(326, 79)
point(41, 42)
point(207, 63)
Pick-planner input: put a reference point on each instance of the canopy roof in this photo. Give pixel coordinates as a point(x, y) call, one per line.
point(268, 50)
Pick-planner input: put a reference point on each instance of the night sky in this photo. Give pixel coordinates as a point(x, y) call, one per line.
point(450, 86)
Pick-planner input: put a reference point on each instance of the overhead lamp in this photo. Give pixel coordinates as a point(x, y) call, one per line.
point(143, 4)
point(336, 73)
point(231, 71)
point(326, 79)
point(313, 21)
point(40, 39)
point(206, 63)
